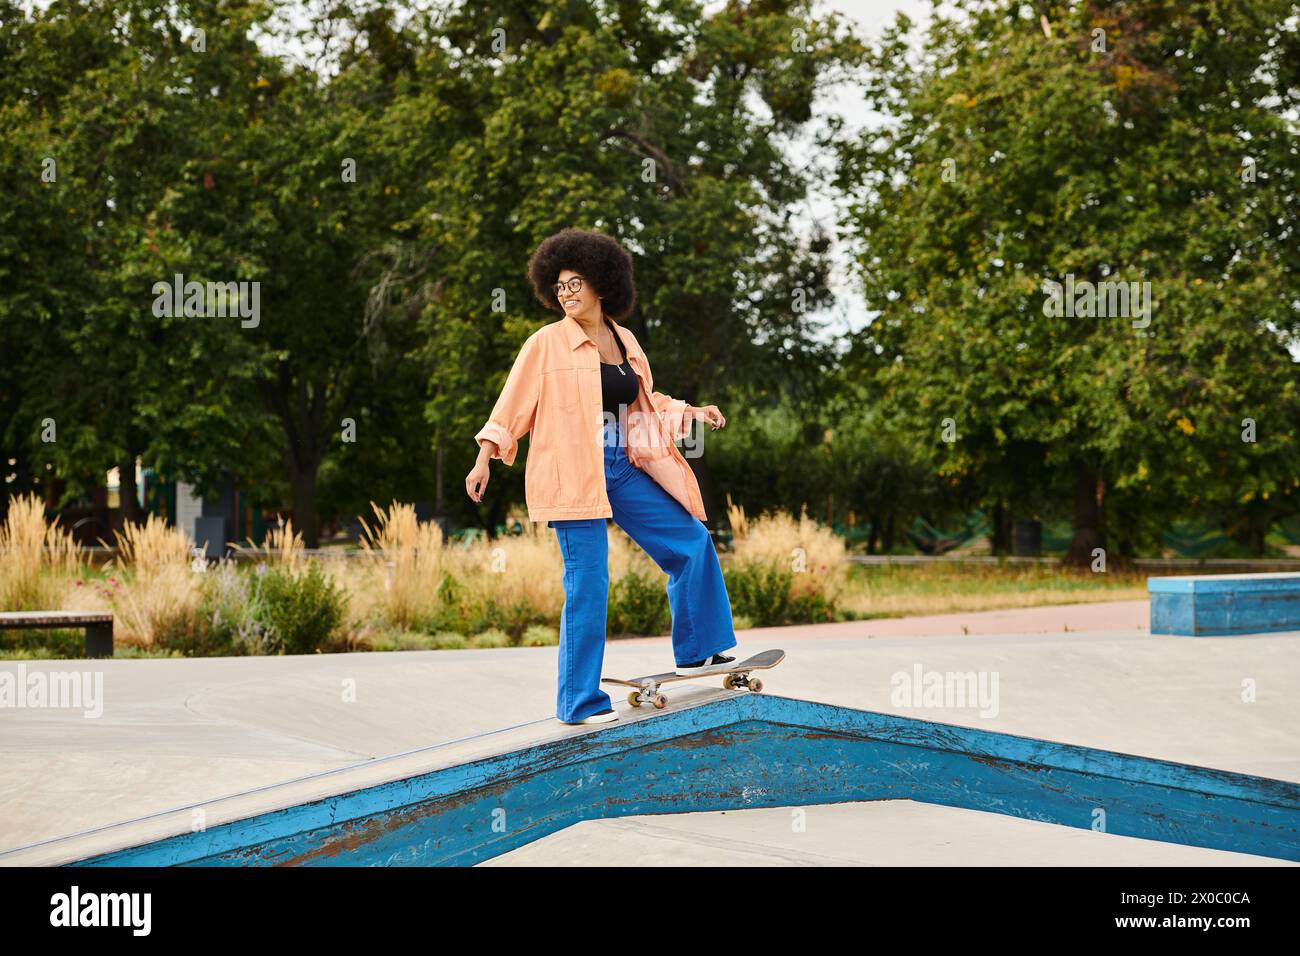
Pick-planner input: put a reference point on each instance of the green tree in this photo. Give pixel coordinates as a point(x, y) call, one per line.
point(1112, 150)
point(184, 149)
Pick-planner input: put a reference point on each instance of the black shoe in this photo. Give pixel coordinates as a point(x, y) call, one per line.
point(601, 717)
point(714, 664)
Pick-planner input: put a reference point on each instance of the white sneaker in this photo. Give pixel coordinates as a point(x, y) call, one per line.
point(715, 664)
point(604, 717)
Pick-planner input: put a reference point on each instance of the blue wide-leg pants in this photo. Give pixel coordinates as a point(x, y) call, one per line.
point(675, 539)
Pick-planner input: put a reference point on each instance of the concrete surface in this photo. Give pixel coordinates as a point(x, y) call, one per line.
point(179, 732)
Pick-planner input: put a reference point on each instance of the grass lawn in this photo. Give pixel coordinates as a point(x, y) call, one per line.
point(935, 588)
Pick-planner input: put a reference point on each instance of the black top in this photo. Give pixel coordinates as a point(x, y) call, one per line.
point(618, 384)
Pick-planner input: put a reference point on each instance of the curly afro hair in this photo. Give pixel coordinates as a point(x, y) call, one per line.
point(598, 258)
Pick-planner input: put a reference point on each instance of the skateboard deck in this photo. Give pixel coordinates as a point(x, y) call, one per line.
point(733, 678)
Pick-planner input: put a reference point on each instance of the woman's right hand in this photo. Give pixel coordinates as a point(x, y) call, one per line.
point(477, 479)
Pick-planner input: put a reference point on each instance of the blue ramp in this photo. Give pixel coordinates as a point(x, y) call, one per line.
point(735, 751)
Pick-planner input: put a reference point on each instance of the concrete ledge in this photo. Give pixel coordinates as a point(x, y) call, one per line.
point(1225, 604)
point(468, 801)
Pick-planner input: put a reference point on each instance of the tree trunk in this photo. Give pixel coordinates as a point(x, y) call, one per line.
point(1089, 532)
point(873, 540)
point(887, 546)
point(128, 509)
point(305, 519)
point(1251, 530)
point(302, 451)
point(439, 504)
point(1000, 538)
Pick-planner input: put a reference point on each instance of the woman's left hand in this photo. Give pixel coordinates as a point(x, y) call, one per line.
point(710, 414)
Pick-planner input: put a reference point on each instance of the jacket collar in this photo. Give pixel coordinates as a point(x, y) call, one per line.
point(576, 335)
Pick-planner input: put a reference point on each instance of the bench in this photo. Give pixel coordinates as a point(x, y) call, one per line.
point(98, 625)
point(1206, 605)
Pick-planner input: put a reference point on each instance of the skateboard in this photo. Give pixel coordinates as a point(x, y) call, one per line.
point(735, 677)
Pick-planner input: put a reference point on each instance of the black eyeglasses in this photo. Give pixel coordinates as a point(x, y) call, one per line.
point(575, 289)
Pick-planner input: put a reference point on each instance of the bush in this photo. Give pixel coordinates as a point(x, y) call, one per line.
point(438, 621)
point(493, 637)
point(759, 591)
point(785, 570)
point(638, 604)
point(395, 640)
point(154, 606)
point(35, 557)
point(494, 615)
point(142, 653)
point(810, 608)
point(299, 612)
point(539, 635)
point(224, 614)
point(450, 641)
point(762, 592)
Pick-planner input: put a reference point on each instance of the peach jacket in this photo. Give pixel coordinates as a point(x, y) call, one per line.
point(553, 391)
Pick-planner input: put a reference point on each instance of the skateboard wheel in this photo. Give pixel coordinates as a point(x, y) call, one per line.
point(755, 684)
point(728, 683)
point(661, 702)
point(634, 698)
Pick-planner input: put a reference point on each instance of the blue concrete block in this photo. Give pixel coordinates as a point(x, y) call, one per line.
point(749, 750)
point(1224, 604)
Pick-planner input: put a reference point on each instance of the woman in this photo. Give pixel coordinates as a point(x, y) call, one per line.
point(602, 446)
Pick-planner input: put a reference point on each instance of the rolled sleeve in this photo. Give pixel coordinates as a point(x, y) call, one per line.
point(506, 443)
point(516, 408)
point(672, 412)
